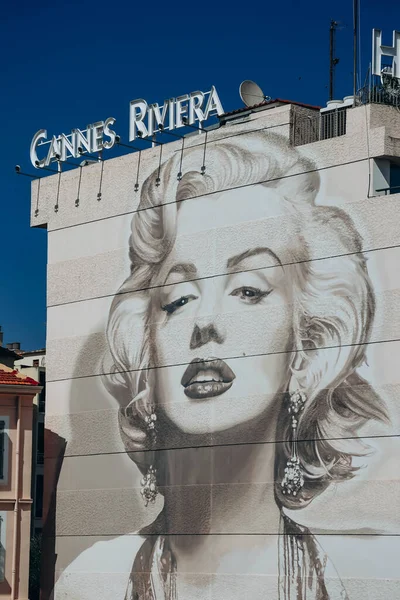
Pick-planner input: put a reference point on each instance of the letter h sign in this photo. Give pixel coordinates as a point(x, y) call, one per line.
point(378, 51)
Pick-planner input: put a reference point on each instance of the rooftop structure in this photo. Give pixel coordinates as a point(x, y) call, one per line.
point(9, 376)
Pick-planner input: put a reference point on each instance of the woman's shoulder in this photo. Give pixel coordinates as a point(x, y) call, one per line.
point(114, 554)
point(101, 572)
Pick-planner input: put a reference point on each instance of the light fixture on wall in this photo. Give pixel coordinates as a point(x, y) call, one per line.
point(37, 164)
point(159, 167)
point(118, 141)
point(101, 181)
point(163, 130)
point(36, 213)
point(56, 206)
point(88, 161)
point(82, 152)
point(205, 131)
point(19, 172)
point(136, 188)
point(153, 140)
point(185, 121)
point(77, 199)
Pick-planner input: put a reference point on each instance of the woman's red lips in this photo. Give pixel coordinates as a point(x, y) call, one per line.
point(206, 378)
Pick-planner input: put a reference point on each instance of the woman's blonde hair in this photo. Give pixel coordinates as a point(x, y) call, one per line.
point(333, 299)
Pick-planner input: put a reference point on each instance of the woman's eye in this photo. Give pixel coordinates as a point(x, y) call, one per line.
point(173, 306)
point(250, 295)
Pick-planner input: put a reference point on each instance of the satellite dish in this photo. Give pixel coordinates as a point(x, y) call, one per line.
point(251, 93)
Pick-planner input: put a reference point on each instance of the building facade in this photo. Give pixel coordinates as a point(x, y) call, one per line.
point(33, 364)
point(16, 395)
point(7, 356)
point(222, 363)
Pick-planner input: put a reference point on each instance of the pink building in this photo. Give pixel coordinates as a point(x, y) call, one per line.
point(16, 396)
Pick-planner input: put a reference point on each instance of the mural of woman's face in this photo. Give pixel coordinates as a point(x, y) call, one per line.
point(222, 328)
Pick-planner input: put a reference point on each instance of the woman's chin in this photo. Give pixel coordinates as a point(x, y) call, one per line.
point(227, 416)
point(220, 426)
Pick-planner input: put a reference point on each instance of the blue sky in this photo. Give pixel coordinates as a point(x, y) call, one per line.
point(64, 65)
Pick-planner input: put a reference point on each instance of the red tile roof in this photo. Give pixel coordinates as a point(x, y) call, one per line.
point(13, 377)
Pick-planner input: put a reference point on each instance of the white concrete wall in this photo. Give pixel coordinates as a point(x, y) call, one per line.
point(98, 499)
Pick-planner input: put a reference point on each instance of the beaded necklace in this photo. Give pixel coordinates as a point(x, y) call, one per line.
point(301, 561)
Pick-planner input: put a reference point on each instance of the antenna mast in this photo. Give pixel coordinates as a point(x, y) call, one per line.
point(333, 61)
point(355, 41)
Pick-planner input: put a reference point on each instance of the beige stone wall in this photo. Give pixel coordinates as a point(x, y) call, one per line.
point(98, 493)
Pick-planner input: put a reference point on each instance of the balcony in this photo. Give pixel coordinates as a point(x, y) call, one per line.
point(381, 90)
point(326, 125)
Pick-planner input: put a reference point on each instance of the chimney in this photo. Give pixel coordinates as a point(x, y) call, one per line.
point(13, 346)
point(1, 336)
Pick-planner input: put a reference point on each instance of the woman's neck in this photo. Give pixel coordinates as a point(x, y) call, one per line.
point(220, 490)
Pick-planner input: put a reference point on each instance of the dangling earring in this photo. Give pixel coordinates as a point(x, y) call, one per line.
point(293, 480)
point(149, 489)
point(150, 421)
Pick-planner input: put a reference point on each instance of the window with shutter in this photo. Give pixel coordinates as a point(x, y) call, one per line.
point(3, 524)
point(2, 443)
point(4, 449)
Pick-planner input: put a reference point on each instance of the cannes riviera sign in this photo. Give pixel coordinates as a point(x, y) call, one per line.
point(145, 120)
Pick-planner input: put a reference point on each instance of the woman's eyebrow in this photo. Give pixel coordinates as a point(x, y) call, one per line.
point(235, 260)
point(188, 269)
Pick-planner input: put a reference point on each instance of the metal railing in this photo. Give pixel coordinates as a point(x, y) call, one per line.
point(394, 189)
point(381, 90)
point(333, 123)
point(378, 95)
point(308, 129)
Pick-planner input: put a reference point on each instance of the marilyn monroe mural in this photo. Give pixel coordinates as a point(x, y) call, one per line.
point(236, 353)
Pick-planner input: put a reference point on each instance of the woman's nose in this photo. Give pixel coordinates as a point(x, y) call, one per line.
point(202, 335)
